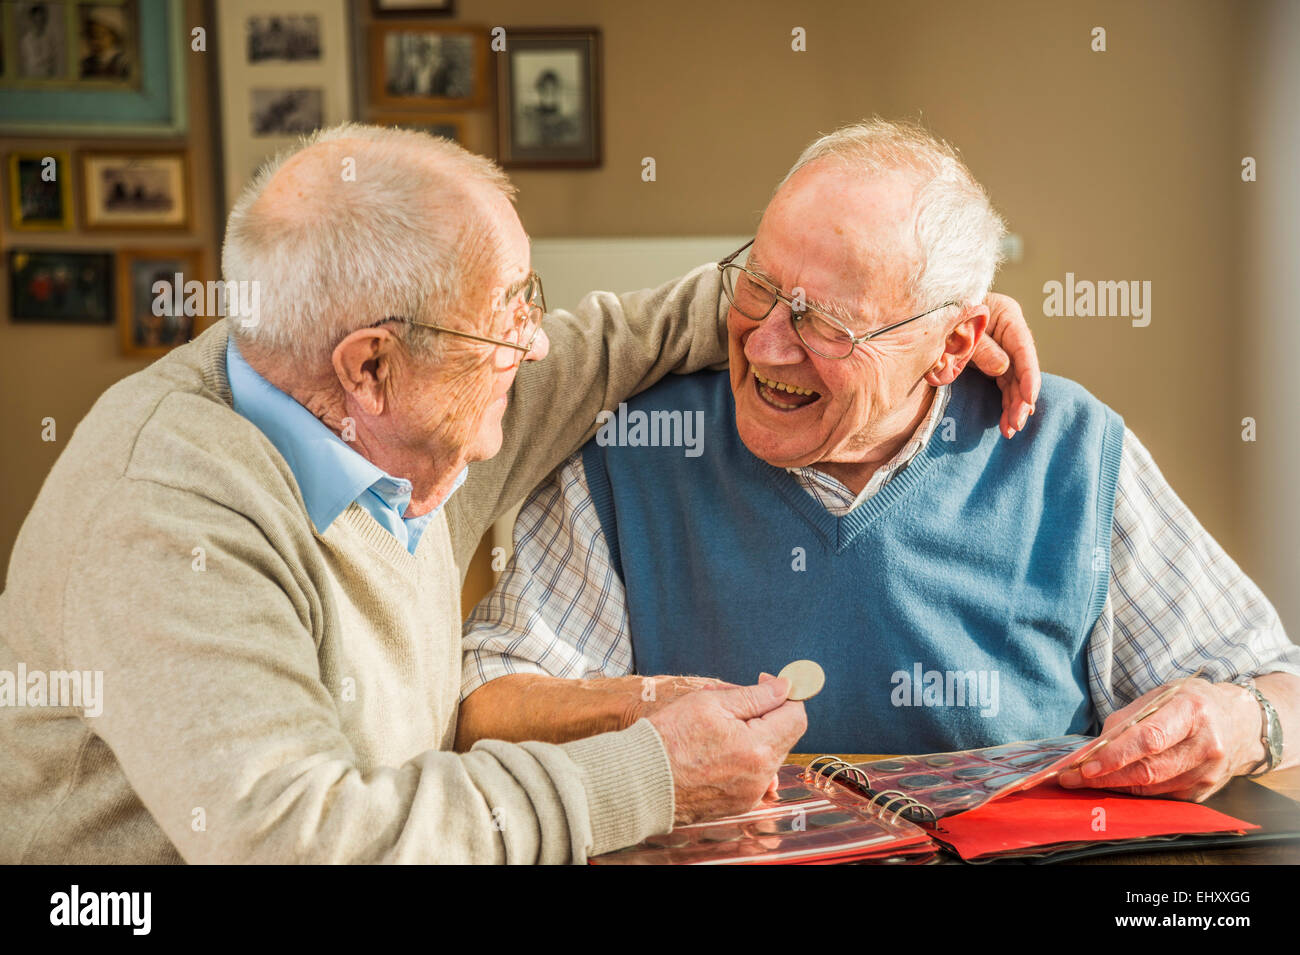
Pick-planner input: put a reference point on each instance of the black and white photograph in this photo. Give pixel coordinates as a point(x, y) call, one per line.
point(427, 67)
point(549, 99)
point(548, 95)
point(106, 34)
point(286, 38)
point(40, 35)
point(134, 190)
point(426, 64)
point(286, 112)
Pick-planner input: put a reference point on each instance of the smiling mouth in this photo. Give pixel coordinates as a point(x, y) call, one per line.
point(780, 395)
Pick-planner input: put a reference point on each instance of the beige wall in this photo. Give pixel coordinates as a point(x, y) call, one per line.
point(1116, 165)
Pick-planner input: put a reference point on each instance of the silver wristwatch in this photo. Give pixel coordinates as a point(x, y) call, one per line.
point(1270, 731)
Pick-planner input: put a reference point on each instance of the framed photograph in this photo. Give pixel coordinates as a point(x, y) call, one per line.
point(93, 67)
point(135, 190)
point(153, 316)
point(108, 43)
point(286, 112)
point(40, 190)
point(404, 8)
point(285, 70)
point(59, 287)
point(548, 102)
point(414, 64)
point(40, 32)
point(294, 38)
point(447, 125)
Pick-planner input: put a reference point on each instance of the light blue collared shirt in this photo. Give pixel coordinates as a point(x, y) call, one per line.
point(330, 474)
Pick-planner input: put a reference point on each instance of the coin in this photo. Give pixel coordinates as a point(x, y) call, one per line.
point(720, 834)
point(806, 679)
point(919, 781)
point(887, 766)
point(974, 772)
point(668, 840)
point(822, 820)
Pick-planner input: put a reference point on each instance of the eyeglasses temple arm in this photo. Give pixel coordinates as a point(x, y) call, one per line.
point(889, 328)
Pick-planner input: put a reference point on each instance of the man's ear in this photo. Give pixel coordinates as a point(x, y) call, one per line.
point(363, 363)
point(959, 345)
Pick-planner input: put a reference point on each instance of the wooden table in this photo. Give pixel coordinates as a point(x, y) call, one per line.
point(1284, 781)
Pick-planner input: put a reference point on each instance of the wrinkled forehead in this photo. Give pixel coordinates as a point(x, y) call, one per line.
point(503, 258)
point(848, 233)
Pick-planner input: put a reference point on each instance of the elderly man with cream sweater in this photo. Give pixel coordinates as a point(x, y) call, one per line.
point(259, 542)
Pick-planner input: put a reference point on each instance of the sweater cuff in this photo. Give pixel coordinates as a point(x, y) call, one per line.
point(629, 784)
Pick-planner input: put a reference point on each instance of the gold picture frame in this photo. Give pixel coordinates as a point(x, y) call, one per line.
point(29, 198)
point(135, 189)
point(142, 331)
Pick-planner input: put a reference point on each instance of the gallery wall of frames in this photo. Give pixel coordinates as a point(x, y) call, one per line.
point(131, 125)
point(128, 127)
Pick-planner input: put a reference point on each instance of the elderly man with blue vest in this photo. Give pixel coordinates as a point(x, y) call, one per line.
point(841, 494)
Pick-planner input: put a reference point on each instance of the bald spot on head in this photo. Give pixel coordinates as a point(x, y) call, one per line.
point(310, 192)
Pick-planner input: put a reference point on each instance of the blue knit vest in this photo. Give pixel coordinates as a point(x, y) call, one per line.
point(949, 611)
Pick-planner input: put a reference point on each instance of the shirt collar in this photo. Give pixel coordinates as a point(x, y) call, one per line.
point(330, 474)
point(839, 493)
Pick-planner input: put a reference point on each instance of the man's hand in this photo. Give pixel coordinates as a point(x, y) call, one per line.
point(1188, 749)
point(1006, 352)
point(726, 745)
point(658, 691)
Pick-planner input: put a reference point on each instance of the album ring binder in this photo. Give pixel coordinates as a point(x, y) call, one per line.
point(936, 782)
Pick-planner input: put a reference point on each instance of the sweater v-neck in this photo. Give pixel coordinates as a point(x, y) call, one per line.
point(841, 533)
point(380, 539)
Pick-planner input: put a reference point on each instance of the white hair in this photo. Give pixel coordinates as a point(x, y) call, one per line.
point(396, 237)
point(958, 234)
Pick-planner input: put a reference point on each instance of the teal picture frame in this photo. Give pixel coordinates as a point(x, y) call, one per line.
point(157, 107)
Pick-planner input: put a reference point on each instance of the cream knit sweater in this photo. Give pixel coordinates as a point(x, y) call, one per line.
point(271, 694)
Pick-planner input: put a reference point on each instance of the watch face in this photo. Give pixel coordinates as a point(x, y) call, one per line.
point(1273, 729)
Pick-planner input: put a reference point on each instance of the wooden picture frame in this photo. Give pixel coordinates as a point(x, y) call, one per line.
point(41, 281)
point(423, 70)
point(142, 331)
point(23, 164)
point(432, 123)
point(549, 99)
point(135, 189)
point(422, 8)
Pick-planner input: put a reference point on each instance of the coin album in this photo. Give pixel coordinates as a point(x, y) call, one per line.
point(999, 801)
point(809, 818)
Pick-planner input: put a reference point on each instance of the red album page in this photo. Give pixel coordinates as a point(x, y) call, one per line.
point(1049, 814)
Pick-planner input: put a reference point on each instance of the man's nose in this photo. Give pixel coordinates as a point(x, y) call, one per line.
point(774, 341)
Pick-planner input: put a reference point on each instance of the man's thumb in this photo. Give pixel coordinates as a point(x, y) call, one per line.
point(750, 702)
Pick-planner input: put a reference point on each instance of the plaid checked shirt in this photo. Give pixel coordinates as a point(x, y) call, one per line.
point(1176, 601)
